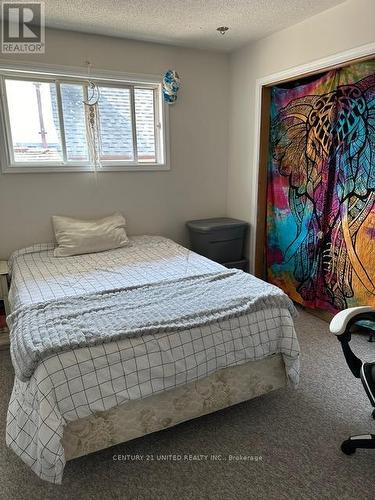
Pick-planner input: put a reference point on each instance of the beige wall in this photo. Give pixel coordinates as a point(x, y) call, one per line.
point(339, 29)
point(153, 202)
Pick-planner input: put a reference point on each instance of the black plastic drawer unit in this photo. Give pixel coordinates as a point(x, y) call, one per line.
point(220, 239)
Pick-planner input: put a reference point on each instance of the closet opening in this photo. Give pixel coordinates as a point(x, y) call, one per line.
point(289, 84)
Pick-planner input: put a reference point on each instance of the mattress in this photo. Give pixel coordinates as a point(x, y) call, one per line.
point(73, 385)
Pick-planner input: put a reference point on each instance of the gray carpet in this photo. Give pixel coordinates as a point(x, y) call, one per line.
point(297, 433)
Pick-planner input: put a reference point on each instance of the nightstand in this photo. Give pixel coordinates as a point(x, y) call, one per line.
point(4, 287)
point(220, 239)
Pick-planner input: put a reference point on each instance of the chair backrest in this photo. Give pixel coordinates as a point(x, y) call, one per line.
point(367, 324)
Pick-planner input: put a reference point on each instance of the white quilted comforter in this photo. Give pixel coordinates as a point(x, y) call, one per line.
point(87, 377)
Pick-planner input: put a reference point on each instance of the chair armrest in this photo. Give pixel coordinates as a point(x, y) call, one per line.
point(343, 319)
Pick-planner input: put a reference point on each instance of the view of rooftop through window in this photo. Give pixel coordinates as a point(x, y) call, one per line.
point(47, 122)
point(35, 133)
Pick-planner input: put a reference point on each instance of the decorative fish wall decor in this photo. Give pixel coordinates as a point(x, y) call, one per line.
point(171, 86)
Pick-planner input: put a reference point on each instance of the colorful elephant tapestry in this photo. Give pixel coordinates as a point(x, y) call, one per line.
point(321, 189)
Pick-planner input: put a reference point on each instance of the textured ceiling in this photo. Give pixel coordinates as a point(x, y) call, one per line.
point(190, 23)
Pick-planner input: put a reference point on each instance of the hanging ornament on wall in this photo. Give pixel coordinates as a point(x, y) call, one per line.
point(171, 85)
point(92, 119)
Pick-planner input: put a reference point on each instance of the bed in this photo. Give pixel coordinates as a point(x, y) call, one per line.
point(121, 383)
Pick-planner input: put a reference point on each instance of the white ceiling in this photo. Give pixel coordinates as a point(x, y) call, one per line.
point(190, 23)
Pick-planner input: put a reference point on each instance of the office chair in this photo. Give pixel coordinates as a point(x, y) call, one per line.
point(342, 326)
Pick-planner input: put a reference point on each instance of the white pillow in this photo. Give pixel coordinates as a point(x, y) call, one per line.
point(75, 236)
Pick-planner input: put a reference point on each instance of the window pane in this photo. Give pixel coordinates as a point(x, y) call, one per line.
point(72, 98)
point(145, 120)
point(115, 124)
point(34, 121)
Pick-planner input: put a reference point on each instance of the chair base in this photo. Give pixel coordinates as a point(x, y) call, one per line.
point(362, 441)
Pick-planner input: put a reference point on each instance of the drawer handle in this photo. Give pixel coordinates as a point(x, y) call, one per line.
point(224, 241)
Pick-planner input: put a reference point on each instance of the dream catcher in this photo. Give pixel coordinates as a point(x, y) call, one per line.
point(92, 120)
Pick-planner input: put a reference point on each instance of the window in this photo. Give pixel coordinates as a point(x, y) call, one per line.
point(46, 124)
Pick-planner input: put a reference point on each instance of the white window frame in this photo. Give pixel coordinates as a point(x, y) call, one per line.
point(59, 75)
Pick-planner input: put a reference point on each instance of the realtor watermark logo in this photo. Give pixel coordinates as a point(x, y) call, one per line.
point(23, 28)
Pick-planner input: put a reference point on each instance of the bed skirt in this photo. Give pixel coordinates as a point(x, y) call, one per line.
point(137, 418)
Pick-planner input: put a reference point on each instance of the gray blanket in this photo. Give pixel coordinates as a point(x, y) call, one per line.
point(46, 328)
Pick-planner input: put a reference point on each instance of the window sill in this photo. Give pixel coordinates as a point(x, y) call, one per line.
point(88, 169)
